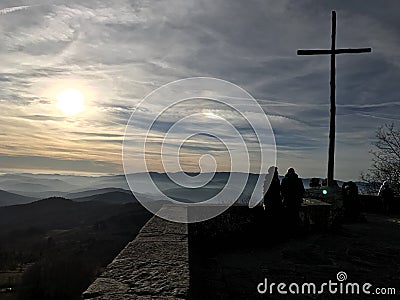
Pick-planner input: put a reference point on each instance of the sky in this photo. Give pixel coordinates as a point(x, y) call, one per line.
point(117, 52)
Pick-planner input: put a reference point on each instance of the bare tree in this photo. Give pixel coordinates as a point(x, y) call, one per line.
point(386, 159)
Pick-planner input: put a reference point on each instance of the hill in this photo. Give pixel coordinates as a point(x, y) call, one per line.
point(57, 213)
point(7, 198)
point(116, 197)
point(94, 192)
point(39, 195)
point(54, 248)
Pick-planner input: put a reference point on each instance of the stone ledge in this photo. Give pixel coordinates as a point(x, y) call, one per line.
point(155, 265)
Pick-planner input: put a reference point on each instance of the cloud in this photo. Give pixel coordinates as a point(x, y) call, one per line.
point(7, 10)
point(45, 163)
point(42, 118)
point(119, 51)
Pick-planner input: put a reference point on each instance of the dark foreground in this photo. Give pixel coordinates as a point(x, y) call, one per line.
point(54, 248)
point(368, 252)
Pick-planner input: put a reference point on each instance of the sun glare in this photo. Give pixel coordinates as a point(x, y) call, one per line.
point(70, 101)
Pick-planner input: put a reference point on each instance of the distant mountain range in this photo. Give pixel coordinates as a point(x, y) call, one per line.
point(24, 188)
point(43, 186)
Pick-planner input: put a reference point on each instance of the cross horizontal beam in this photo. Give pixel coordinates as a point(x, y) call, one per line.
point(336, 51)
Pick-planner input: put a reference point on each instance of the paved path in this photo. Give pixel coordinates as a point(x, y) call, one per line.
point(367, 252)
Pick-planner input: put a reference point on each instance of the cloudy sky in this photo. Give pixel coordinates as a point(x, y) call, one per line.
point(116, 52)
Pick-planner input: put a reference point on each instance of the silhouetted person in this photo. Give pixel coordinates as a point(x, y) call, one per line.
point(272, 205)
point(351, 203)
point(273, 198)
point(387, 196)
point(292, 191)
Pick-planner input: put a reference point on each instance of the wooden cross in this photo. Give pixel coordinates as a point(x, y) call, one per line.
point(333, 52)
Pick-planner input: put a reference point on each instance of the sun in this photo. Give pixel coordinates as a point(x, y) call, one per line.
point(70, 101)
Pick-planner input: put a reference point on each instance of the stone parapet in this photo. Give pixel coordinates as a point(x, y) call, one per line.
point(155, 265)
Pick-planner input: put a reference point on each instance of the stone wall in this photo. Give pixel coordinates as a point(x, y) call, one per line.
point(241, 220)
point(156, 264)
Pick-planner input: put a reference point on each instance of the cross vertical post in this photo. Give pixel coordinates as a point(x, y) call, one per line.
point(332, 124)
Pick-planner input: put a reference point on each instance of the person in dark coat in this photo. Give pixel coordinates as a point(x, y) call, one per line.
point(273, 198)
point(292, 191)
point(351, 203)
point(387, 196)
point(272, 205)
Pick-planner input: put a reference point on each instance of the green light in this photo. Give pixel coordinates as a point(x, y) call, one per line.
point(324, 192)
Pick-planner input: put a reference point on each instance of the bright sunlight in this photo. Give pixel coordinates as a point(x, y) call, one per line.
point(70, 101)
